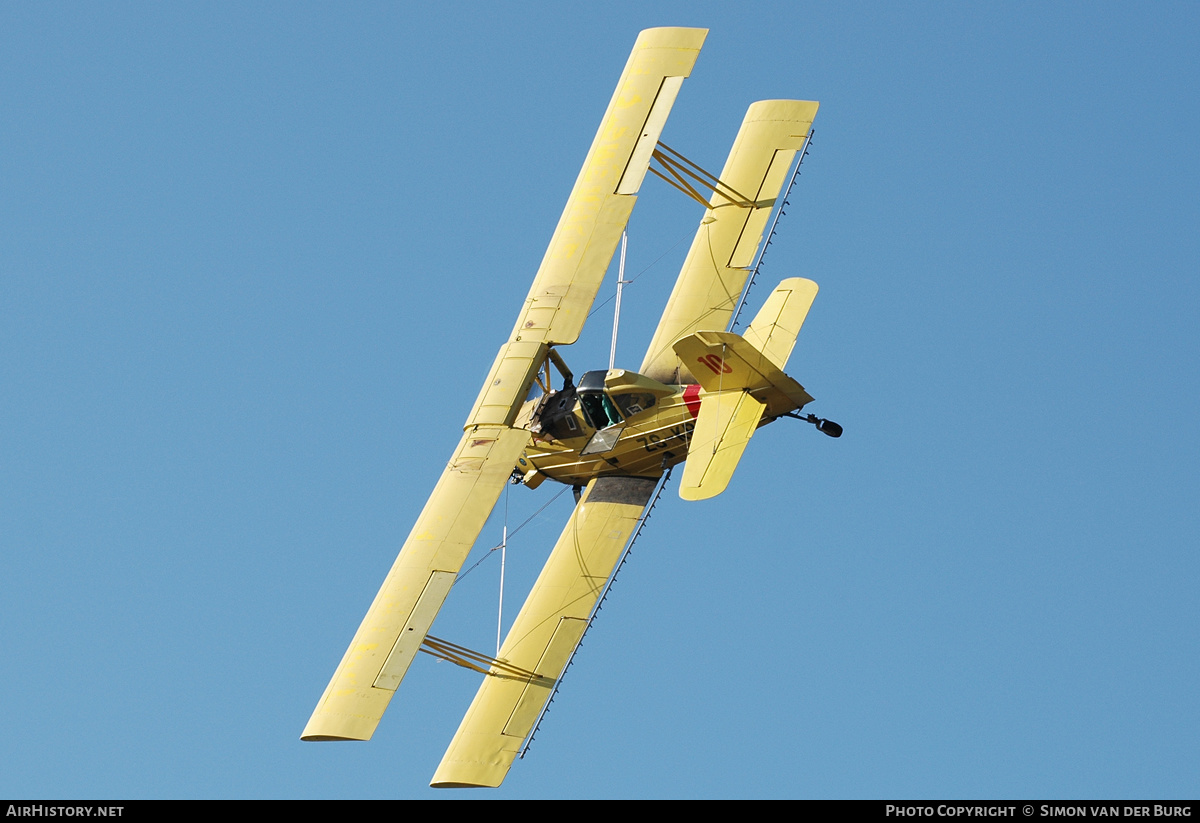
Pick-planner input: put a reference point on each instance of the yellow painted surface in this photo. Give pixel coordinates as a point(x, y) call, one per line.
point(667, 417)
point(724, 361)
point(354, 701)
point(591, 224)
point(648, 439)
point(558, 303)
point(541, 639)
point(726, 422)
point(774, 329)
point(716, 267)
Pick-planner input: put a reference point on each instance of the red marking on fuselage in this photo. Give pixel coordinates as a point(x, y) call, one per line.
point(691, 396)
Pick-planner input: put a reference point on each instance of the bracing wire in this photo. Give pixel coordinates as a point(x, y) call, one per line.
point(496, 548)
point(657, 260)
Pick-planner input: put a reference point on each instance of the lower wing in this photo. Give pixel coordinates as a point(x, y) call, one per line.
point(416, 586)
point(545, 633)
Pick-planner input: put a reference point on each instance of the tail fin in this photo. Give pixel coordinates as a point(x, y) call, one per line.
point(742, 379)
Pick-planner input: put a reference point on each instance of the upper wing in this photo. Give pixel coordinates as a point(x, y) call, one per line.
point(708, 288)
point(545, 633)
point(604, 193)
point(563, 291)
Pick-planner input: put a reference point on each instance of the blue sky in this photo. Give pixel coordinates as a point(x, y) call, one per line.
point(255, 262)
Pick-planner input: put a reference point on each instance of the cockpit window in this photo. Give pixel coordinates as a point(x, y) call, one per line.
point(599, 409)
point(634, 402)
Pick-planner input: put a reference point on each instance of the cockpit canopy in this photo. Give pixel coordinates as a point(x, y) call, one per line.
point(610, 397)
point(598, 407)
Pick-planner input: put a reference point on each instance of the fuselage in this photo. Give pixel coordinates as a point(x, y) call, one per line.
point(613, 423)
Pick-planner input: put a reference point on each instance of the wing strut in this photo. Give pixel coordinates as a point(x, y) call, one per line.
point(468, 659)
point(679, 166)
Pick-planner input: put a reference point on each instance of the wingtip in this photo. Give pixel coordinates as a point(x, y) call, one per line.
point(672, 37)
point(445, 784)
point(694, 493)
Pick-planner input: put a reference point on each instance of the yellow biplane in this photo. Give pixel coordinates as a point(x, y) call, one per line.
point(699, 395)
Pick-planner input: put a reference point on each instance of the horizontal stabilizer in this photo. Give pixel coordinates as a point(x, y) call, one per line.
point(723, 361)
point(742, 381)
point(724, 426)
